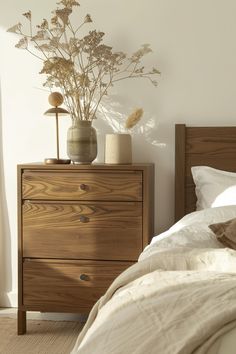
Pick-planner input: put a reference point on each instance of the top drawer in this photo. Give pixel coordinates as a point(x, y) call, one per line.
point(99, 185)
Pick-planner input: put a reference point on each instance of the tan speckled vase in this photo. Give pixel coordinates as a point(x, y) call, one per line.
point(82, 142)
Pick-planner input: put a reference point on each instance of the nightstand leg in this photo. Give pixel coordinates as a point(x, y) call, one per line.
point(21, 322)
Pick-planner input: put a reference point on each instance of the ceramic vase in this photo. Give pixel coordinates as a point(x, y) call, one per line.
point(82, 142)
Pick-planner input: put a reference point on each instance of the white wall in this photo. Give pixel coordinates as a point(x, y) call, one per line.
point(193, 45)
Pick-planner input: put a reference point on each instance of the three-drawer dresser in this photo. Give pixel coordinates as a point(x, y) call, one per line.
point(79, 227)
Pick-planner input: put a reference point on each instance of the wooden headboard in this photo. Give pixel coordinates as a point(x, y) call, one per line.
point(198, 146)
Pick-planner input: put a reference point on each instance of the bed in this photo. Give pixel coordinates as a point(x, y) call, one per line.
point(180, 297)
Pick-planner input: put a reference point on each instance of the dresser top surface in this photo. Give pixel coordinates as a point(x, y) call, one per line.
point(94, 166)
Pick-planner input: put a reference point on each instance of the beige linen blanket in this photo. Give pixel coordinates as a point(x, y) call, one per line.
point(175, 301)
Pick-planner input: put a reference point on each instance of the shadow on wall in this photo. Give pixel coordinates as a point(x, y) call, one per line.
point(114, 113)
point(5, 237)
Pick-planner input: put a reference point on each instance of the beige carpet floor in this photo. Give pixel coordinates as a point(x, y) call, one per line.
point(43, 337)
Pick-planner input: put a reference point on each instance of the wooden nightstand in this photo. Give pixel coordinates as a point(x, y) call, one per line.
point(79, 227)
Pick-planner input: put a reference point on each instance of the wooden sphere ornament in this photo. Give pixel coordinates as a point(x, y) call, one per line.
point(55, 99)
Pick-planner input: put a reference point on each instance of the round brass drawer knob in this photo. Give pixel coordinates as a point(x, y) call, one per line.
point(83, 277)
point(83, 219)
point(82, 187)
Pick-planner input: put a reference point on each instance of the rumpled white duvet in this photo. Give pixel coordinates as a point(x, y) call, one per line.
point(179, 298)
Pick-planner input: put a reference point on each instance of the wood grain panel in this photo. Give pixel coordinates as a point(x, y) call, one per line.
point(179, 171)
point(107, 230)
point(59, 283)
point(119, 186)
point(203, 146)
point(211, 141)
point(148, 204)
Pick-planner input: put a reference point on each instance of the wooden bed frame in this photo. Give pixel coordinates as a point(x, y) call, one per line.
point(200, 146)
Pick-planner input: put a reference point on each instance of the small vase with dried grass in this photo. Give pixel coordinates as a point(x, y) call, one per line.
point(118, 146)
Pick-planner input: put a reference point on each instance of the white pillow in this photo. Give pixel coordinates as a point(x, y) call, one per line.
point(191, 231)
point(214, 187)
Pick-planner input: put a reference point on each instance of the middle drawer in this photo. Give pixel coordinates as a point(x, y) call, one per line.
point(101, 230)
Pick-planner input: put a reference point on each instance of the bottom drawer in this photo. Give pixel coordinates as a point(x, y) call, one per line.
point(56, 285)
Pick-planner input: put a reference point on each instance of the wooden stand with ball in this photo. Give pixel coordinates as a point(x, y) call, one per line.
point(56, 99)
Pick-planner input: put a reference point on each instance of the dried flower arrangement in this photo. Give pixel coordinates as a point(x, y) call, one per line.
point(83, 68)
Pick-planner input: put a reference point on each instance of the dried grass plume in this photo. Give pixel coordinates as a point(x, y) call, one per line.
point(134, 118)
